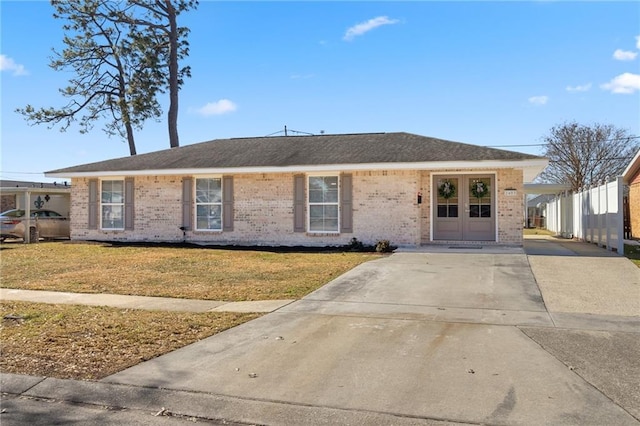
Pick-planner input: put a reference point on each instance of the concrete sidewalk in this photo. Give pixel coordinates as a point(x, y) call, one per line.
point(141, 302)
point(581, 278)
point(428, 338)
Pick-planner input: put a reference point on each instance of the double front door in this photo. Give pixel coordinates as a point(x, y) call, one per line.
point(464, 208)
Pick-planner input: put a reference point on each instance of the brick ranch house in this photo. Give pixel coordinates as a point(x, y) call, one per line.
point(319, 190)
point(631, 177)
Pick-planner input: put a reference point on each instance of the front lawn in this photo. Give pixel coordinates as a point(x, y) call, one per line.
point(83, 342)
point(184, 272)
point(88, 342)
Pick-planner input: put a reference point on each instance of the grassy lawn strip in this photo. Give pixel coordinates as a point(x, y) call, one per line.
point(537, 231)
point(633, 253)
point(193, 273)
point(82, 342)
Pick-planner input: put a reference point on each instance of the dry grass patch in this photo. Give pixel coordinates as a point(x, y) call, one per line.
point(195, 273)
point(537, 231)
point(81, 342)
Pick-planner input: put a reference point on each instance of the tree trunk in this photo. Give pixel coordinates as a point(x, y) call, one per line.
point(172, 117)
point(130, 140)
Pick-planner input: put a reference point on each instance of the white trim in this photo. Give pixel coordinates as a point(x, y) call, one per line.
point(7, 190)
point(308, 206)
point(531, 168)
point(101, 204)
point(635, 162)
point(455, 173)
point(195, 202)
point(546, 188)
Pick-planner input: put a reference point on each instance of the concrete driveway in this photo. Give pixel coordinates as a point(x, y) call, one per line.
point(413, 338)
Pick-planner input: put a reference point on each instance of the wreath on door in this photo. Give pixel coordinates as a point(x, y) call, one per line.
point(479, 189)
point(447, 189)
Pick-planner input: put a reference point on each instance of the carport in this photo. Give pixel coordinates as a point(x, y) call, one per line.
point(37, 195)
point(541, 189)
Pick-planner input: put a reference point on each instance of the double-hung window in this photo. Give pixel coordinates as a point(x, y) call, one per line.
point(209, 204)
point(323, 204)
point(112, 204)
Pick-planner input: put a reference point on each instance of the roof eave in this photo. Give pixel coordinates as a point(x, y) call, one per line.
point(632, 169)
point(531, 168)
point(24, 189)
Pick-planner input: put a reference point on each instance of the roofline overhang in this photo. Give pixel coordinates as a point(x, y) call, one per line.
point(531, 168)
point(25, 189)
point(546, 188)
point(632, 169)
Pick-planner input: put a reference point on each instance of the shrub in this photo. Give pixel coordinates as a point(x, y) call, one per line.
point(384, 246)
point(355, 245)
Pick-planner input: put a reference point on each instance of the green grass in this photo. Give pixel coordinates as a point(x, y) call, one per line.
point(633, 253)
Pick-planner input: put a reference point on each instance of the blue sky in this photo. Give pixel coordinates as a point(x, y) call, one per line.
point(486, 73)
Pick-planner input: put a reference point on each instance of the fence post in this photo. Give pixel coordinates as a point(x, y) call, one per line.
point(620, 188)
point(606, 214)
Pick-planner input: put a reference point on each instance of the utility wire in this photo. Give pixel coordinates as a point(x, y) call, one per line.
point(582, 142)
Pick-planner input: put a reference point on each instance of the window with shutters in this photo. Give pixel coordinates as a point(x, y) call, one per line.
point(323, 204)
point(112, 204)
point(208, 197)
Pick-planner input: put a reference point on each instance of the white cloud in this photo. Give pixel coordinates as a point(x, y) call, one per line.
point(624, 55)
point(579, 88)
point(222, 106)
point(624, 83)
point(363, 27)
point(538, 100)
point(8, 64)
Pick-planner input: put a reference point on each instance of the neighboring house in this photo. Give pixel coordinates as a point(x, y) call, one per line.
point(631, 177)
point(16, 194)
point(306, 190)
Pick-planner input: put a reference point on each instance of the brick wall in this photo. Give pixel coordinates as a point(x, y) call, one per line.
point(634, 208)
point(384, 207)
point(510, 209)
point(7, 202)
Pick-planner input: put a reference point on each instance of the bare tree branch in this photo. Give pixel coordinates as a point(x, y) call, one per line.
point(582, 155)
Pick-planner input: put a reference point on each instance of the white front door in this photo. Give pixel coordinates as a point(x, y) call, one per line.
point(464, 208)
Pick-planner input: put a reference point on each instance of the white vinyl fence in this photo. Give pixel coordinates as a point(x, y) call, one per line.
point(594, 215)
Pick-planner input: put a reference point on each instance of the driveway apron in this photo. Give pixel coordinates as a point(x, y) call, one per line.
point(417, 335)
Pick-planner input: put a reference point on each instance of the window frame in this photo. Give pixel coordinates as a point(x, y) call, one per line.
point(103, 204)
point(196, 203)
point(337, 203)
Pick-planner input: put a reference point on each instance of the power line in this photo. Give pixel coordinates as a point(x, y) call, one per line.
point(583, 142)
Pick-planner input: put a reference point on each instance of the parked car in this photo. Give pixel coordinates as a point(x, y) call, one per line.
point(49, 224)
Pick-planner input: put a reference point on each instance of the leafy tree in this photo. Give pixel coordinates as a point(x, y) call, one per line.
point(583, 155)
point(154, 24)
point(110, 81)
point(121, 54)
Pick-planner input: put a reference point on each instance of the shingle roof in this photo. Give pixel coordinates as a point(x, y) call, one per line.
point(287, 151)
